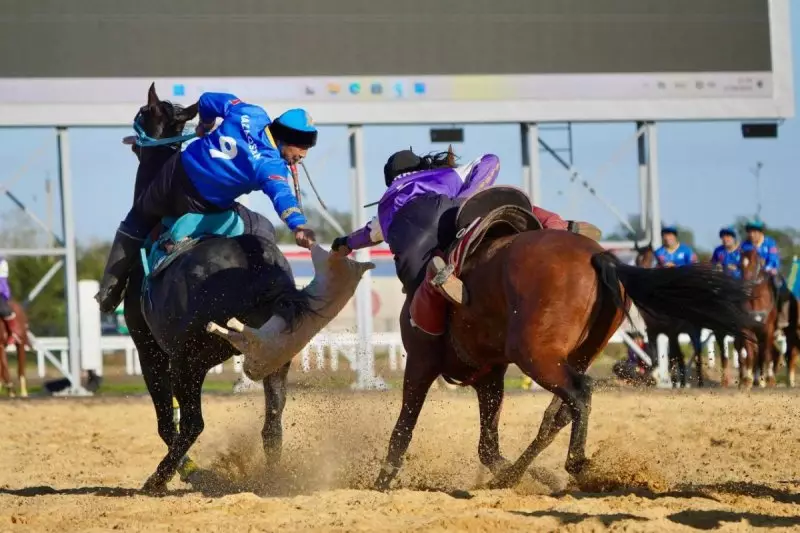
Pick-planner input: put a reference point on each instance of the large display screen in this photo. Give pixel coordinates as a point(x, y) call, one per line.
point(384, 61)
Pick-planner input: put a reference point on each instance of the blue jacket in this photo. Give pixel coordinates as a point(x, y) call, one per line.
point(728, 260)
point(768, 250)
point(683, 255)
point(239, 157)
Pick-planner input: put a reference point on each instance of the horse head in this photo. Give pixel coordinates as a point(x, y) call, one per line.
point(752, 266)
point(645, 256)
point(161, 119)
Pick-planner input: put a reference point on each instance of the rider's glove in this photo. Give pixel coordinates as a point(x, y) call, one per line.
point(338, 242)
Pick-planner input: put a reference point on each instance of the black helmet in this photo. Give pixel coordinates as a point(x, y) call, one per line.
point(400, 163)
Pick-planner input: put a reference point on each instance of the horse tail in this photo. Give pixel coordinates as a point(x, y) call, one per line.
point(697, 294)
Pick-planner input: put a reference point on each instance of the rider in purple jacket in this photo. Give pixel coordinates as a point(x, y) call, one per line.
point(416, 217)
point(6, 313)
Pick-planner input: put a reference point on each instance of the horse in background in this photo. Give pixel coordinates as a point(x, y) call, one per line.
point(761, 357)
point(672, 328)
point(6, 382)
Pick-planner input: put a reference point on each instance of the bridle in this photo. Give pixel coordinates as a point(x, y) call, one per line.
point(144, 140)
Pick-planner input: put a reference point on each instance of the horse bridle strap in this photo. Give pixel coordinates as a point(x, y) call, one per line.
point(144, 140)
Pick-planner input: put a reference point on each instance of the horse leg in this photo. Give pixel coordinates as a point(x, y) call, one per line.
point(698, 356)
point(676, 355)
point(746, 363)
point(155, 371)
point(791, 355)
point(574, 399)
point(767, 354)
point(725, 379)
point(5, 373)
point(274, 403)
point(21, 362)
point(556, 417)
point(187, 383)
point(490, 391)
point(423, 366)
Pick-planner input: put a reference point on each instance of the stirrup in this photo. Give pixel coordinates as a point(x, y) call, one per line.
point(446, 282)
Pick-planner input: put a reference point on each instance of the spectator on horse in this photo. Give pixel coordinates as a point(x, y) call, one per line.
point(246, 152)
point(672, 252)
point(416, 217)
point(6, 313)
point(726, 256)
point(767, 249)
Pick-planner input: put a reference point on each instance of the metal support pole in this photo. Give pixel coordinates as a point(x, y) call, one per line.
point(644, 178)
point(531, 167)
point(50, 274)
point(652, 164)
point(365, 360)
point(67, 217)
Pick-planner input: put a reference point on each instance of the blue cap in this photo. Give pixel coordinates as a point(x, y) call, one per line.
point(755, 225)
point(295, 127)
point(728, 230)
point(669, 229)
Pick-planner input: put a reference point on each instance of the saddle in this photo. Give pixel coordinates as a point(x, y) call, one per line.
point(183, 233)
point(487, 215)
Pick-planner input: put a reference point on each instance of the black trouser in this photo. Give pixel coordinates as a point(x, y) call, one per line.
point(5, 308)
point(423, 225)
point(171, 193)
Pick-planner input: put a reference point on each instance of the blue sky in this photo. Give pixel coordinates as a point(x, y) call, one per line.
point(705, 181)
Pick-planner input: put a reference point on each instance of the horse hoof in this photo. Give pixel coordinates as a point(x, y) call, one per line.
point(505, 479)
point(574, 468)
point(497, 467)
point(154, 486)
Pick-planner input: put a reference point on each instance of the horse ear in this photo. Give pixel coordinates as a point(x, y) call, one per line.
point(152, 97)
point(187, 113)
point(451, 157)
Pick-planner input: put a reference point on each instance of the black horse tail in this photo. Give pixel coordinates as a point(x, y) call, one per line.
point(288, 302)
point(697, 294)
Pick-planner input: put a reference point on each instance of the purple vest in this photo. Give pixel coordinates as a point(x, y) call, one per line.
point(453, 182)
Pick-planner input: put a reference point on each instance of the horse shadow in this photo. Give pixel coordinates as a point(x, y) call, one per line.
point(106, 492)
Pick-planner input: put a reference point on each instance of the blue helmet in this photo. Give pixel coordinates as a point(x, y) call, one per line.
point(756, 225)
point(729, 230)
point(295, 127)
point(669, 229)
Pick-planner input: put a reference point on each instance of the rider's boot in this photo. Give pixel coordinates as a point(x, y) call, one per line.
point(442, 278)
point(585, 228)
point(124, 252)
point(429, 306)
point(14, 329)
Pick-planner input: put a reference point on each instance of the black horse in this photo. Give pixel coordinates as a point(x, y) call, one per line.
point(245, 276)
point(658, 325)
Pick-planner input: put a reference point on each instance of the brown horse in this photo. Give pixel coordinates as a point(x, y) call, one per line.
point(5, 372)
point(672, 329)
point(760, 348)
point(547, 301)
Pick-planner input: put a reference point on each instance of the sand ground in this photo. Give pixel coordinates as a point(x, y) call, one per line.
point(672, 461)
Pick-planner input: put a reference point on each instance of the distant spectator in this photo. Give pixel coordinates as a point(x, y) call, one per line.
point(672, 252)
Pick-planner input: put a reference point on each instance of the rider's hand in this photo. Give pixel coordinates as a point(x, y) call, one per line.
point(305, 237)
point(204, 129)
point(340, 247)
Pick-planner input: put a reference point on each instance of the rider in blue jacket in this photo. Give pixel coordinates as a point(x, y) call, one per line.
point(247, 152)
point(768, 250)
point(727, 255)
point(672, 252)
